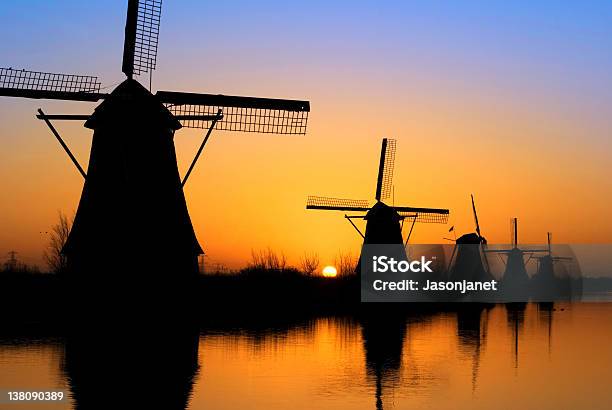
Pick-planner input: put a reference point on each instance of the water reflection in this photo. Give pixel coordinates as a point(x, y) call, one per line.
point(545, 311)
point(472, 321)
point(515, 313)
point(383, 341)
point(131, 366)
point(382, 358)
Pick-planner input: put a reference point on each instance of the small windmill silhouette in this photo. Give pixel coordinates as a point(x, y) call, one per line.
point(554, 276)
point(132, 205)
point(383, 222)
point(546, 263)
point(515, 281)
point(468, 261)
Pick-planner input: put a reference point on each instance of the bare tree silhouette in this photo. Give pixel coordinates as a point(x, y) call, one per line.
point(53, 256)
point(268, 260)
point(309, 263)
point(346, 264)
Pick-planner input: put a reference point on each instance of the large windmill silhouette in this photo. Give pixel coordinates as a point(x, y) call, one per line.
point(132, 215)
point(383, 222)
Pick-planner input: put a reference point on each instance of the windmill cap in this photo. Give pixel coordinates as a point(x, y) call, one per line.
point(130, 101)
point(470, 239)
point(382, 211)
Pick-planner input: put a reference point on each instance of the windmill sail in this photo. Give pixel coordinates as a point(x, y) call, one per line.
point(141, 36)
point(246, 114)
point(337, 204)
point(475, 217)
point(514, 232)
point(385, 169)
point(423, 215)
point(37, 84)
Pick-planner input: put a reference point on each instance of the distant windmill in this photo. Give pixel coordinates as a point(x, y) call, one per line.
point(467, 258)
point(132, 215)
point(515, 280)
point(546, 262)
point(383, 222)
point(546, 284)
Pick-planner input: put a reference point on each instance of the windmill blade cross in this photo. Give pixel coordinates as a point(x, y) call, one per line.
point(337, 204)
point(245, 114)
point(385, 169)
point(37, 84)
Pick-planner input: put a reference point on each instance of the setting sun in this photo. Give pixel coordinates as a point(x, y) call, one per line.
point(329, 272)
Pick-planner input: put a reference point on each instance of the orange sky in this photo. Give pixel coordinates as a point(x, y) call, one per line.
point(521, 123)
point(248, 191)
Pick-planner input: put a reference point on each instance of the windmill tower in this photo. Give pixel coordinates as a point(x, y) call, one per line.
point(467, 259)
point(132, 217)
point(546, 263)
point(383, 222)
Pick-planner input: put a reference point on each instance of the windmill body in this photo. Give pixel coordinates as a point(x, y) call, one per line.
point(132, 205)
point(547, 284)
point(383, 225)
point(515, 282)
point(467, 263)
point(515, 274)
point(546, 269)
point(467, 259)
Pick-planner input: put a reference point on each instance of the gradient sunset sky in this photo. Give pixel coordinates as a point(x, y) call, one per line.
point(511, 101)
